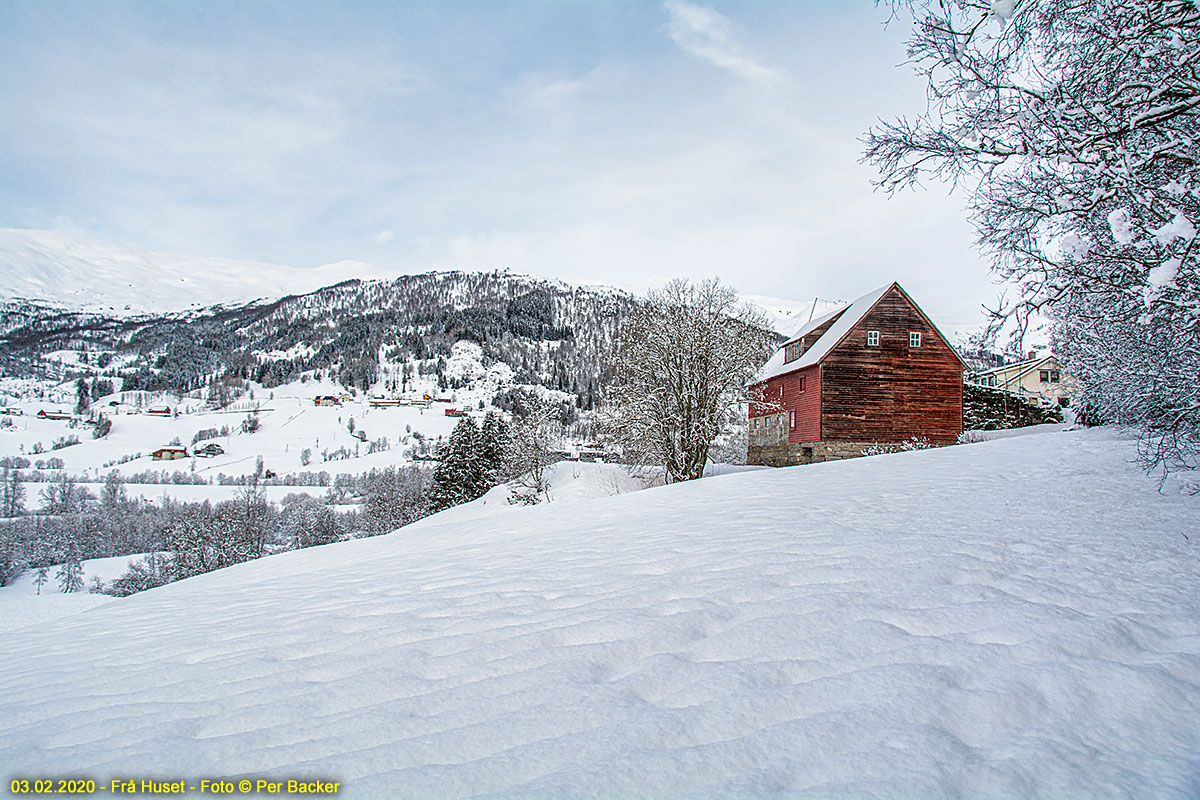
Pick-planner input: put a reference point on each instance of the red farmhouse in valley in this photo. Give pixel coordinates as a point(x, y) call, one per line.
point(877, 371)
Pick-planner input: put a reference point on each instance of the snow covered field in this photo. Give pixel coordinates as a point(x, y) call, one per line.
point(1013, 618)
point(24, 603)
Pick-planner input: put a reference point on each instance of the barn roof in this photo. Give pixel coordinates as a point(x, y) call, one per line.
point(846, 317)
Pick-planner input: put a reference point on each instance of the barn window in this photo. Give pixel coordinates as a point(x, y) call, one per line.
point(800, 385)
point(793, 419)
point(791, 352)
point(872, 338)
point(914, 338)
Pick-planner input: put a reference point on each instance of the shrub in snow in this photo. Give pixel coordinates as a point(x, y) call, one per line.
point(102, 429)
point(143, 574)
point(67, 441)
point(988, 408)
point(913, 443)
point(204, 434)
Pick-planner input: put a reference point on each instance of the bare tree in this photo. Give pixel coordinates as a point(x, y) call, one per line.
point(680, 373)
point(12, 493)
point(536, 426)
point(1074, 125)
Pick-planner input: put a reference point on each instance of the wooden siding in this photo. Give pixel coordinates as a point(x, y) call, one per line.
point(806, 404)
point(891, 392)
point(809, 339)
point(771, 399)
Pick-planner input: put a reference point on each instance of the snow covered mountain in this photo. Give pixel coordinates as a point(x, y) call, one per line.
point(1015, 618)
point(100, 277)
point(787, 316)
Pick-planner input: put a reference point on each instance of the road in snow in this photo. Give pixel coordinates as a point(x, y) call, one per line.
point(1015, 618)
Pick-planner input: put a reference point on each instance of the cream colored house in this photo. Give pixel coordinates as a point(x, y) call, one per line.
point(1039, 377)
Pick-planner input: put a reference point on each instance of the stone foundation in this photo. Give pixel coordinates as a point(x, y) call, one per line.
point(789, 455)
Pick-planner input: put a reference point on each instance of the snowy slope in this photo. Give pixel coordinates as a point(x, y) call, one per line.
point(24, 603)
point(1014, 618)
point(99, 276)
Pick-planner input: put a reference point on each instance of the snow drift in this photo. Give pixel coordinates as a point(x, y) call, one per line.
point(1016, 618)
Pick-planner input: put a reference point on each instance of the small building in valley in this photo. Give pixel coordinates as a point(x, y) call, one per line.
point(169, 453)
point(877, 371)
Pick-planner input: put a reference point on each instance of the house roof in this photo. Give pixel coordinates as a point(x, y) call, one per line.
point(1020, 368)
point(844, 321)
point(847, 318)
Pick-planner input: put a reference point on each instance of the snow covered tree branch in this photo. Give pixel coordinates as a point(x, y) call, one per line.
point(1074, 125)
point(680, 372)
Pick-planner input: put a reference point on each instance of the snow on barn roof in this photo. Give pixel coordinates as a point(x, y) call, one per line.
point(847, 318)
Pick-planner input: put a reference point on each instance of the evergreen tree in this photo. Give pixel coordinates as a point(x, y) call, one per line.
point(460, 475)
point(494, 444)
point(70, 575)
point(84, 396)
point(40, 577)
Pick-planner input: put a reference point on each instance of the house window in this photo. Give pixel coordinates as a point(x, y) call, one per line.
point(791, 352)
point(914, 338)
point(1044, 376)
point(770, 420)
point(872, 338)
point(756, 421)
point(793, 419)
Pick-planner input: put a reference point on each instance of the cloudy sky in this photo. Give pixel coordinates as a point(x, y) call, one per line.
point(608, 141)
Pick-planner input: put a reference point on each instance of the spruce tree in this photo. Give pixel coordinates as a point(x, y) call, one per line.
point(494, 436)
point(460, 475)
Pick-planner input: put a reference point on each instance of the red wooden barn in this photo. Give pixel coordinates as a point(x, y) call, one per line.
point(876, 371)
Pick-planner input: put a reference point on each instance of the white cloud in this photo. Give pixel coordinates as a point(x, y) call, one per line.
point(710, 36)
point(383, 237)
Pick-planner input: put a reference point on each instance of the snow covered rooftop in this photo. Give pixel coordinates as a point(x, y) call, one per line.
point(849, 317)
point(1021, 367)
point(908, 625)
